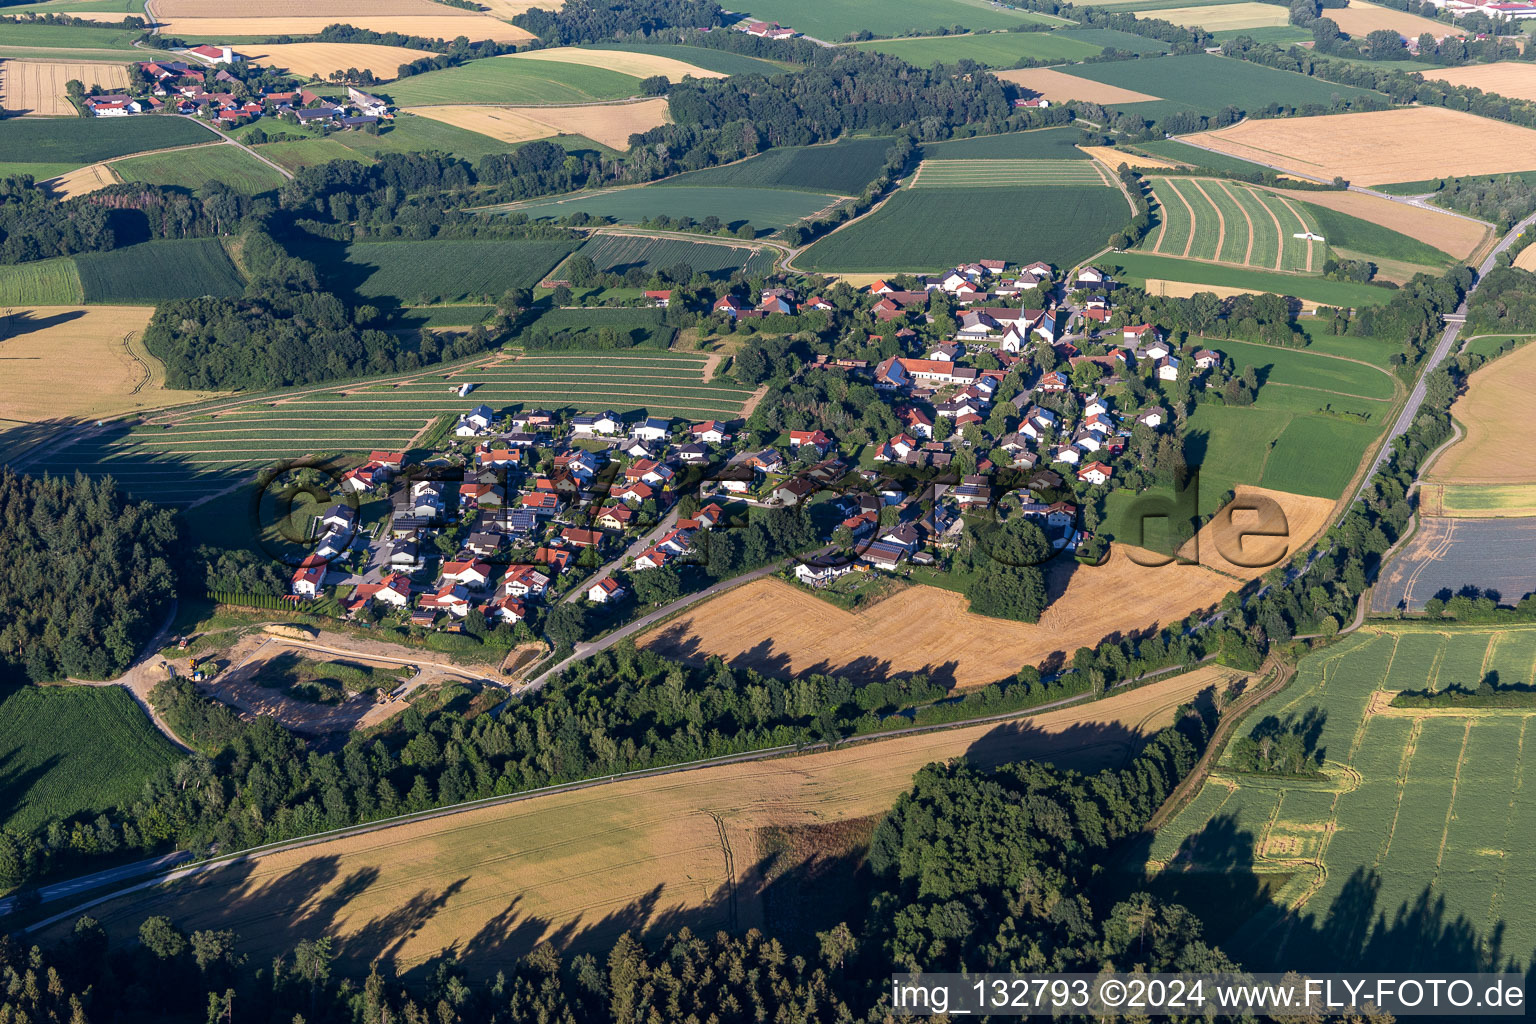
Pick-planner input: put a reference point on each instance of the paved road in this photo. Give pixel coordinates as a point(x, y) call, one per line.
point(85, 883)
point(1442, 350)
point(636, 546)
point(279, 168)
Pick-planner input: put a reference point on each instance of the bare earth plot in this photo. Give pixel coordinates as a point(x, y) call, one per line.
point(447, 25)
point(82, 182)
point(783, 629)
point(641, 65)
point(95, 349)
point(1222, 17)
point(1361, 19)
point(578, 868)
point(1507, 78)
point(37, 86)
point(1495, 411)
point(1458, 236)
point(1059, 87)
point(1449, 554)
point(609, 123)
point(320, 59)
point(1372, 147)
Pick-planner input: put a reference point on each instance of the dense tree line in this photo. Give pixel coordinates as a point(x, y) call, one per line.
point(591, 21)
point(1504, 303)
point(1503, 199)
point(86, 579)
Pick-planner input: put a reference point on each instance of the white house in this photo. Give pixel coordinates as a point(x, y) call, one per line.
point(604, 590)
point(652, 428)
point(470, 573)
point(1095, 473)
point(475, 422)
point(308, 581)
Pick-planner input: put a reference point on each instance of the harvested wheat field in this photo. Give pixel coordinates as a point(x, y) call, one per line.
point(1183, 289)
point(508, 9)
point(608, 123)
point(783, 629)
point(320, 59)
point(1495, 411)
point(1223, 17)
point(1508, 78)
point(336, 10)
point(1451, 234)
point(444, 25)
point(1112, 157)
point(578, 868)
point(37, 86)
point(1059, 87)
point(1361, 19)
point(1373, 148)
point(1527, 258)
point(640, 65)
point(107, 375)
point(82, 182)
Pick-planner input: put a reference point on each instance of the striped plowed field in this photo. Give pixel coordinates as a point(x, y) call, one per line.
point(185, 454)
point(1221, 221)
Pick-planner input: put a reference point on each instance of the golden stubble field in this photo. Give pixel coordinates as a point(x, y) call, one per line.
point(579, 868)
point(785, 629)
point(1495, 411)
point(640, 65)
point(442, 22)
point(1223, 17)
point(1059, 87)
point(1508, 78)
point(320, 59)
point(42, 346)
point(1375, 147)
point(608, 123)
point(1456, 236)
point(1361, 19)
point(37, 86)
point(83, 181)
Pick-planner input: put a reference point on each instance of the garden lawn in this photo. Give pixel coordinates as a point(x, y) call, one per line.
point(196, 167)
point(928, 229)
point(513, 80)
point(73, 750)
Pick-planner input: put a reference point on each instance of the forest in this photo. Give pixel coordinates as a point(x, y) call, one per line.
point(87, 578)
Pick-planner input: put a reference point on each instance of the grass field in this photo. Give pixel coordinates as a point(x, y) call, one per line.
point(930, 228)
point(188, 453)
point(1413, 851)
point(1366, 148)
point(1060, 87)
point(53, 282)
point(619, 253)
point(409, 133)
point(436, 271)
point(1422, 235)
point(1496, 448)
point(1006, 173)
point(195, 168)
point(318, 60)
point(833, 20)
point(95, 348)
point(37, 87)
point(991, 49)
point(73, 750)
point(1141, 266)
point(1206, 83)
point(760, 207)
point(310, 153)
point(610, 124)
point(65, 37)
point(1040, 144)
point(1227, 222)
point(642, 326)
point(158, 270)
point(785, 630)
point(512, 80)
point(578, 868)
point(80, 141)
point(842, 168)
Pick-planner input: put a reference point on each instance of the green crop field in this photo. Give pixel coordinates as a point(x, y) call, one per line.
point(1137, 267)
point(513, 80)
point(643, 326)
point(1225, 221)
point(74, 750)
point(759, 207)
point(1114, 38)
point(1039, 144)
point(216, 444)
point(79, 140)
point(927, 229)
point(1205, 83)
point(1346, 232)
point(43, 283)
point(723, 61)
point(842, 168)
point(436, 271)
point(413, 134)
point(991, 49)
point(445, 316)
point(618, 253)
point(13, 33)
point(1412, 851)
point(1006, 173)
point(295, 156)
point(833, 20)
point(196, 167)
point(158, 270)
point(93, 6)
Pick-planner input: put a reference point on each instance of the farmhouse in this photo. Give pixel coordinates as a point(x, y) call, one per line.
point(370, 106)
point(216, 54)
